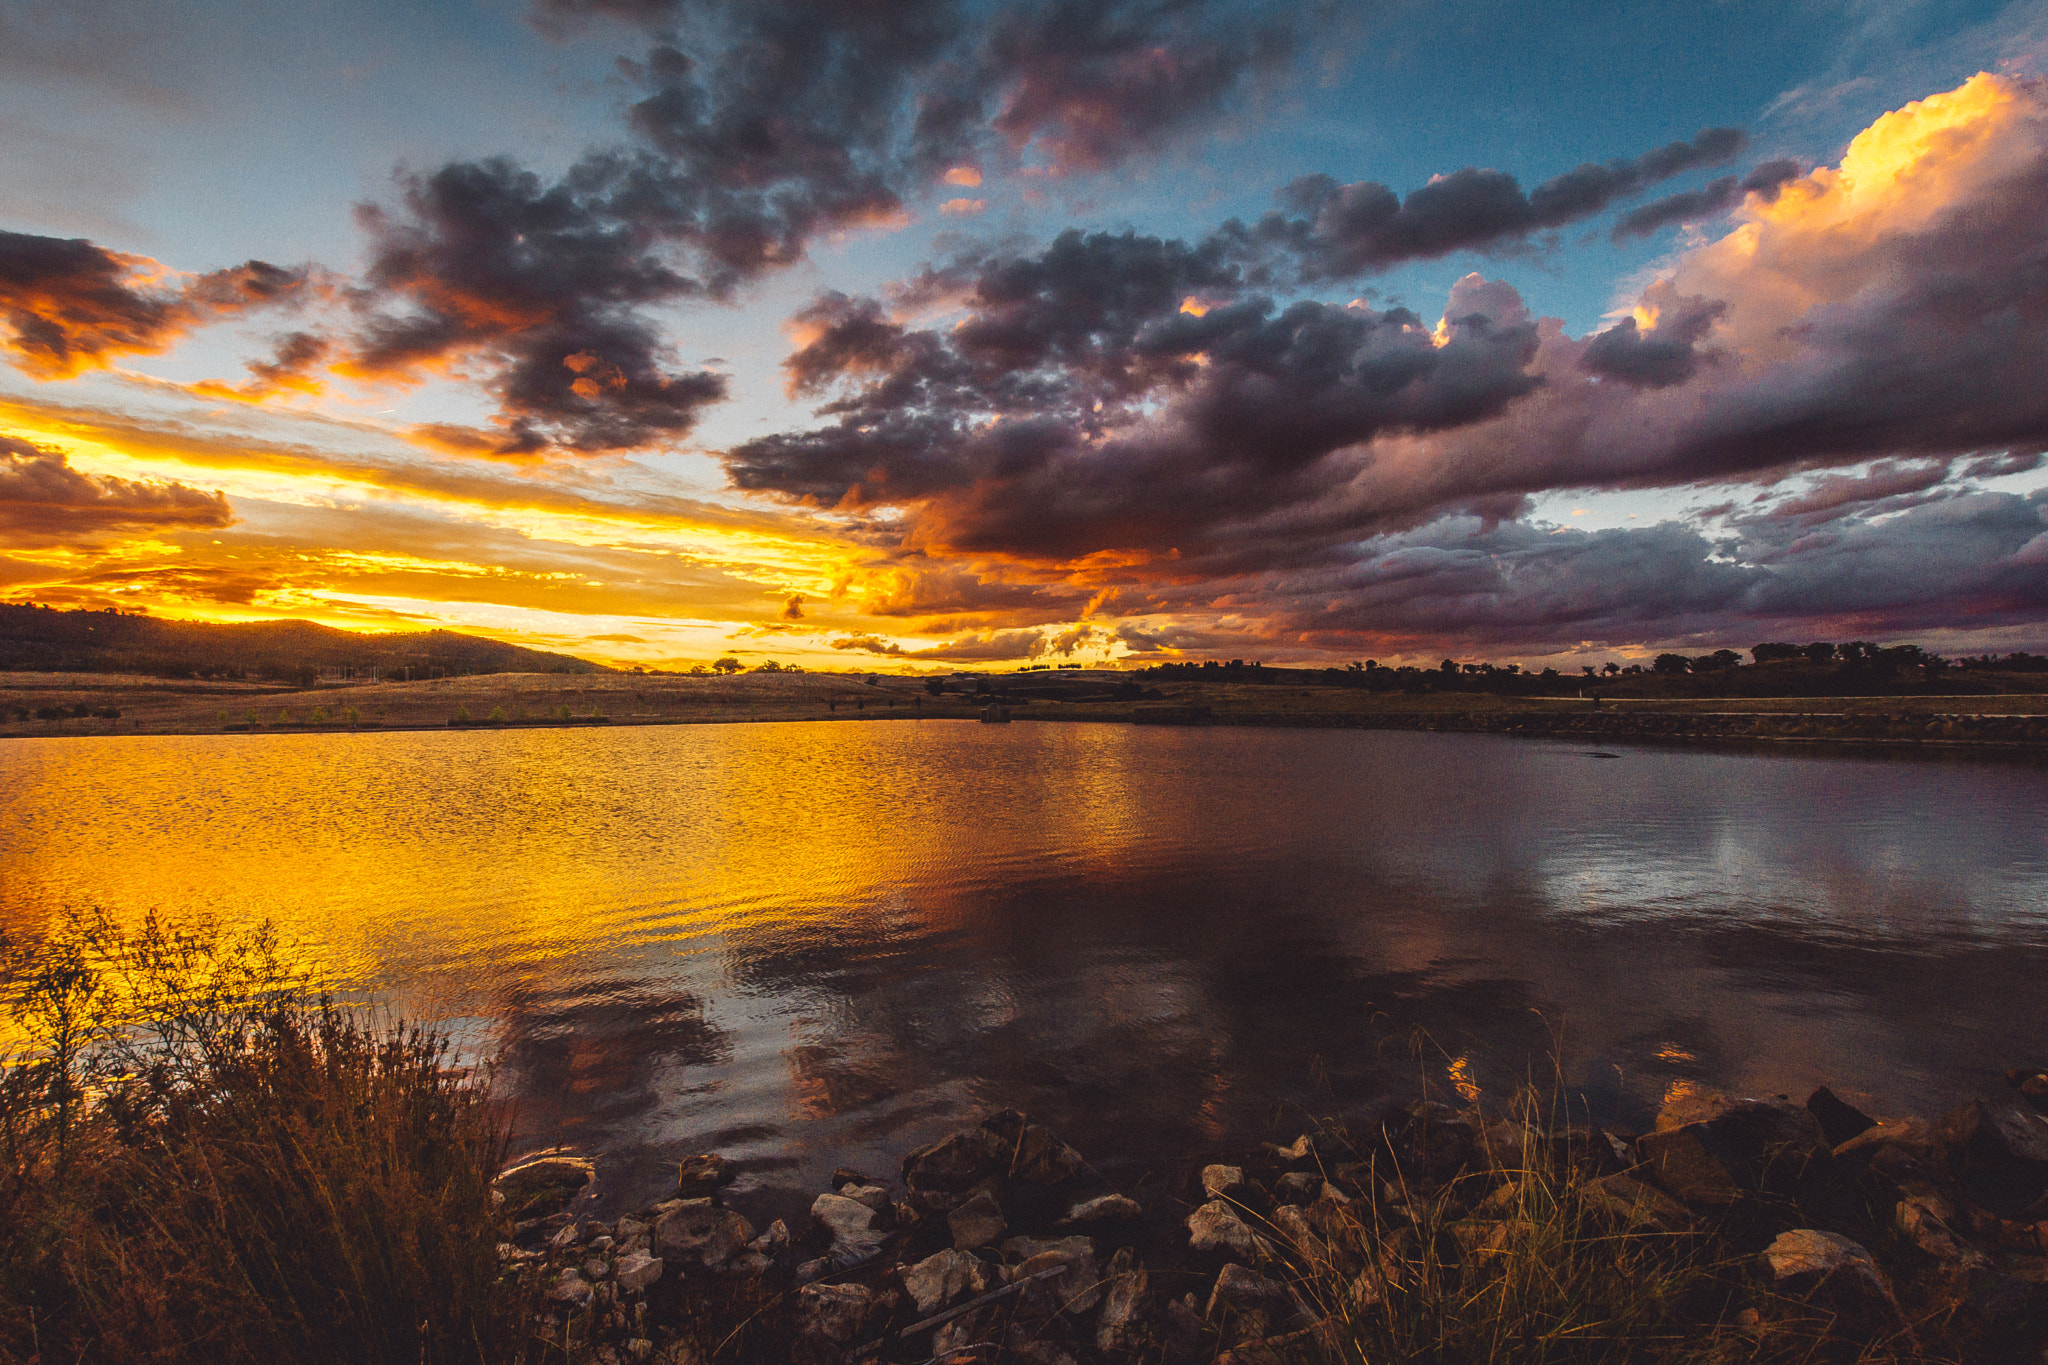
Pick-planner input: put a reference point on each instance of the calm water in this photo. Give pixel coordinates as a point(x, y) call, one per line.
point(806, 944)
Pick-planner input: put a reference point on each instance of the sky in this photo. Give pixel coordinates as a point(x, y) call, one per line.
point(921, 335)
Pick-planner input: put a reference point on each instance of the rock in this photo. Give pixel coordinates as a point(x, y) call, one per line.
point(1107, 1208)
point(1180, 1329)
point(1239, 1290)
point(636, 1272)
point(943, 1280)
point(977, 1222)
point(829, 1316)
point(1298, 1187)
point(1026, 1347)
point(1076, 1289)
point(1745, 1147)
point(1304, 1149)
point(543, 1185)
point(1839, 1120)
point(1833, 1274)
point(874, 1196)
point(638, 1349)
point(1292, 1225)
point(1915, 1137)
point(595, 1269)
point(845, 1176)
point(1222, 1182)
point(568, 1235)
point(1924, 1215)
point(1999, 1150)
point(747, 1263)
point(570, 1287)
point(849, 1221)
point(698, 1230)
point(773, 1242)
point(1121, 1324)
point(1630, 1202)
point(699, 1177)
point(1215, 1230)
point(2031, 1082)
point(1030, 1150)
point(946, 1173)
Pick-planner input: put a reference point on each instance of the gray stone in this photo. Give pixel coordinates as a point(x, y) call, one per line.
point(1030, 1151)
point(848, 1222)
point(1121, 1324)
point(830, 1313)
point(976, 1223)
point(874, 1196)
point(1832, 1273)
point(1104, 1209)
point(1215, 1230)
point(1222, 1182)
point(1634, 1204)
point(1304, 1149)
point(1246, 1291)
point(636, 1272)
point(570, 1287)
point(1076, 1289)
point(595, 1269)
point(1925, 1215)
point(698, 1230)
point(1298, 1187)
point(774, 1241)
point(943, 1280)
point(943, 1174)
point(1299, 1237)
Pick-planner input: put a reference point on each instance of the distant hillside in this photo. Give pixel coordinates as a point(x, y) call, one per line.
point(48, 640)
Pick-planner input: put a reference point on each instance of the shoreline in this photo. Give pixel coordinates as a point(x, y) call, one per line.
point(1659, 728)
point(1808, 1224)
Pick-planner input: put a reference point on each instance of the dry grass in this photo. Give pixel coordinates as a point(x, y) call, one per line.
point(201, 1164)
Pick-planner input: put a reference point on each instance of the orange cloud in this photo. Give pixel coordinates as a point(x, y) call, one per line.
point(963, 207)
point(965, 176)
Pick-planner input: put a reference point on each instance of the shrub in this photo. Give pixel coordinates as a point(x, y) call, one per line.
point(203, 1163)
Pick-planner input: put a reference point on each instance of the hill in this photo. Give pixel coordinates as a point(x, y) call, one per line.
point(44, 639)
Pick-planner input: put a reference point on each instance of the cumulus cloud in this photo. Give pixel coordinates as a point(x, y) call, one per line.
point(69, 305)
point(46, 503)
point(1335, 231)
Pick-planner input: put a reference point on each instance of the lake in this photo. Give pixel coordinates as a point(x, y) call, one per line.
point(811, 944)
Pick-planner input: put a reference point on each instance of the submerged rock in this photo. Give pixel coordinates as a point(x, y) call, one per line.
point(543, 1185)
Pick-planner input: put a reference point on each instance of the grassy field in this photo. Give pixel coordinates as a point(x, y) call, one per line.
point(160, 706)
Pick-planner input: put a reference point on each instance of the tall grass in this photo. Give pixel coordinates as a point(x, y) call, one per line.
point(204, 1162)
point(1519, 1258)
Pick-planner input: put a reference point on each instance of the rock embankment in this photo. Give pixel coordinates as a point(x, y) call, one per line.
point(998, 1243)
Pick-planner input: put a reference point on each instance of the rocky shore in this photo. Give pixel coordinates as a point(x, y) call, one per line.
point(1807, 1230)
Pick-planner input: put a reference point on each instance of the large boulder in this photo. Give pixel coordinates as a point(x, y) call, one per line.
point(1835, 1275)
point(1839, 1120)
point(1734, 1150)
point(950, 1171)
point(698, 1230)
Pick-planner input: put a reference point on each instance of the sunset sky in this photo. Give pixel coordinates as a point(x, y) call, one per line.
point(930, 335)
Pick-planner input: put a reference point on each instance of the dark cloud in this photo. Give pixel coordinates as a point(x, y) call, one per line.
point(44, 502)
point(71, 305)
point(1715, 197)
point(1667, 354)
point(1836, 495)
point(758, 127)
point(1335, 231)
